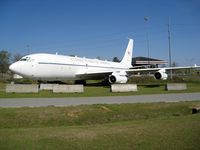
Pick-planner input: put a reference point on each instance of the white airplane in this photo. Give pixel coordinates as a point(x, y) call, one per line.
point(53, 67)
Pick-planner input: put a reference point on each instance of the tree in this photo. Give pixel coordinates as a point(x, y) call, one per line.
point(4, 61)
point(16, 57)
point(115, 59)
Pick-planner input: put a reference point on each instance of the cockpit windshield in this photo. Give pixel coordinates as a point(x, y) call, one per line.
point(25, 59)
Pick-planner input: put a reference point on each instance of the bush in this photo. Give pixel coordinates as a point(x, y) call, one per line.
point(145, 80)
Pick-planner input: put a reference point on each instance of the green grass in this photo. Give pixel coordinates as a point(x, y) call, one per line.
point(92, 91)
point(172, 134)
point(86, 114)
point(126, 126)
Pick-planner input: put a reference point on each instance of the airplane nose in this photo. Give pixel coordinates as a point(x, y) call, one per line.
point(11, 67)
point(15, 67)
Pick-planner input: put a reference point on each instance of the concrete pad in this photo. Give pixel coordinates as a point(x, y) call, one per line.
point(175, 86)
point(47, 86)
point(124, 88)
point(68, 89)
point(22, 88)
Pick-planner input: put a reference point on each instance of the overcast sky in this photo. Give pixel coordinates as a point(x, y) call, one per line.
point(101, 28)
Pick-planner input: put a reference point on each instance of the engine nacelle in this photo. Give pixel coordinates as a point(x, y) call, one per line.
point(118, 77)
point(161, 75)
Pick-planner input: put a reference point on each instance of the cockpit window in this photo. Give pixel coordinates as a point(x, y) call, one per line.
point(25, 59)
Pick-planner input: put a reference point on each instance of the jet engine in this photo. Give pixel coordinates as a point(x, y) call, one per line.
point(118, 77)
point(161, 75)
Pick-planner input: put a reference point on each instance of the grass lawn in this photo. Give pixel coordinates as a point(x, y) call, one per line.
point(172, 133)
point(126, 126)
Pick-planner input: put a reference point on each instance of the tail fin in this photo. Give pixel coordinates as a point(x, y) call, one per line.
point(127, 59)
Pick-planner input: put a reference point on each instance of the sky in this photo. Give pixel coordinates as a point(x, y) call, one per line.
point(101, 28)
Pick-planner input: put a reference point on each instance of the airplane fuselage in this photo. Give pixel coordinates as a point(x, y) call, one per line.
point(58, 67)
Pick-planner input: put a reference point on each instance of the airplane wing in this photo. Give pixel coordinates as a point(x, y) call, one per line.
point(160, 73)
point(108, 72)
point(122, 75)
point(165, 68)
point(136, 69)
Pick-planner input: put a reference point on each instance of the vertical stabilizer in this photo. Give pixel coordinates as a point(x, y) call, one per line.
point(127, 59)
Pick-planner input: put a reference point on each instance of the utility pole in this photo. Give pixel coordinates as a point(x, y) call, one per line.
point(169, 42)
point(147, 38)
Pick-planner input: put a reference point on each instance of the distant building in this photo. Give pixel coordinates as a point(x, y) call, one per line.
point(138, 61)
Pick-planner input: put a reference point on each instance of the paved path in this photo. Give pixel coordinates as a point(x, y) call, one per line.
point(39, 102)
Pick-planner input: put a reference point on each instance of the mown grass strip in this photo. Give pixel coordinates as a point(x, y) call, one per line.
point(125, 126)
point(89, 114)
point(159, 133)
